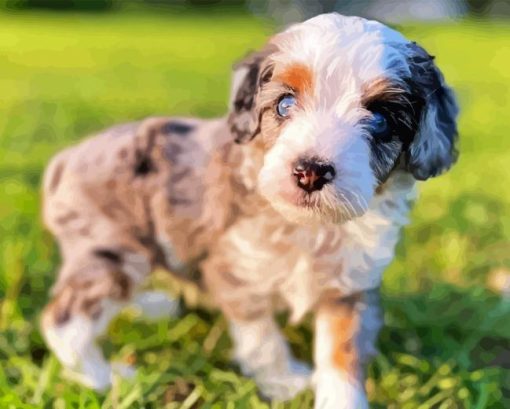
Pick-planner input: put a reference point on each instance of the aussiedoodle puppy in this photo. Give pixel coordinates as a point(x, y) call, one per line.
point(298, 196)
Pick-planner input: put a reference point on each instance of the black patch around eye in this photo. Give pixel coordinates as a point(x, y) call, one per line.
point(383, 158)
point(378, 126)
point(402, 113)
point(403, 116)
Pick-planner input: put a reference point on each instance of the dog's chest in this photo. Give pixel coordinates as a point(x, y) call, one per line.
point(299, 263)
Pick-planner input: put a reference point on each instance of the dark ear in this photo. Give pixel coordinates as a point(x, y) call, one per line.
point(249, 75)
point(433, 149)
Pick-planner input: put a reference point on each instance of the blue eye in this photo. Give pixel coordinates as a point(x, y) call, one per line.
point(378, 125)
point(284, 105)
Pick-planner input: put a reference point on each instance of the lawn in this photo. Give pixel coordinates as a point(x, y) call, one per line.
point(447, 340)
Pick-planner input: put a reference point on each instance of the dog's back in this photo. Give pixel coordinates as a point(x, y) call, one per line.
point(116, 203)
point(111, 193)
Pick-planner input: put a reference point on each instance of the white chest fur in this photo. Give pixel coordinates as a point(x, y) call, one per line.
point(300, 262)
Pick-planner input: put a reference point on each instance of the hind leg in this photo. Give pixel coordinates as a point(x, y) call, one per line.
point(80, 311)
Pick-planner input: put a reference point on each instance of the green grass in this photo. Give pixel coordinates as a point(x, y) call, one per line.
point(447, 340)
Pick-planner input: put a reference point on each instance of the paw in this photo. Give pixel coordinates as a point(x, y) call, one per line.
point(99, 380)
point(284, 385)
point(100, 377)
point(335, 391)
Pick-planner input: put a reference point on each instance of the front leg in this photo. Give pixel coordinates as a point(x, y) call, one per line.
point(259, 347)
point(263, 353)
point(346, 331)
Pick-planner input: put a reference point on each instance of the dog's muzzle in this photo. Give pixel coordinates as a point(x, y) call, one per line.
point(312, 174)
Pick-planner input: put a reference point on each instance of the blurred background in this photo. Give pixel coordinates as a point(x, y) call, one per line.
point(72, 67)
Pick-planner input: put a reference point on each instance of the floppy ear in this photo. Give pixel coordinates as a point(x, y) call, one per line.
point(433, 149)
point(249, 75)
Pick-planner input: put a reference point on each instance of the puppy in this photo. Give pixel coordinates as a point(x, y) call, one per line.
point(298, 195)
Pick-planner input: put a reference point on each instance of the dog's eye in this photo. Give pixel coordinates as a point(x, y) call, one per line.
point(378, 125)
point(285, 104)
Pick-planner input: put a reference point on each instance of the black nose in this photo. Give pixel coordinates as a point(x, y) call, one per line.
point(312, 174)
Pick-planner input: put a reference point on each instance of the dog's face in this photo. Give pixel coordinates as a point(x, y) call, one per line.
point(337, 104)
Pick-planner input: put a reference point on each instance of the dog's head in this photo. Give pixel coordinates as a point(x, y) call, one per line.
point(337, 104)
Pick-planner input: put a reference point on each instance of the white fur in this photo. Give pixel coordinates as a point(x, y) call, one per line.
point(353, 52)
point(371, 239)
point(332, 139)
point(334, 389)
point(74, 343)
point(365, 248)
point(263, 354)
point(290, 246)
point(278, 250)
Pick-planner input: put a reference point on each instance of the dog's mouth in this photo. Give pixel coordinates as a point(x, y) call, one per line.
point(305, 207)
point(299, 198)
point(333, 203)
point(329, 205)
point(308, 200)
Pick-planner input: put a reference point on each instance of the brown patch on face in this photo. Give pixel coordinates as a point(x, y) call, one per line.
point(298, 77)
point(382, 89)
